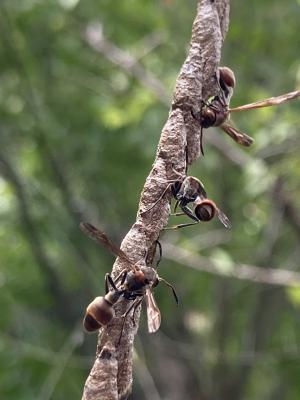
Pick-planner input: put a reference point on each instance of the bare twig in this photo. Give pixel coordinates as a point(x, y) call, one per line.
point(32, 236)
point(144, 376)
point(111, 375)
point(262, 320)
point(44, 354)
point(283, 200)
point(277, 150)
point(270, 276)
point(148, 43)
point(36, 107)
point(192, 351)
point(61, 360)
point(96, 39)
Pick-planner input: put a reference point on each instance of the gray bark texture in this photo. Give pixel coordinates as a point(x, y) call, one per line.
point(111, 374)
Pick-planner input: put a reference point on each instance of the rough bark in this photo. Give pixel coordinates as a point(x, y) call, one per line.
point(111, 375)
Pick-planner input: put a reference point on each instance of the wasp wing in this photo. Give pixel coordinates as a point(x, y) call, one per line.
point(223, 218)
point(238, 136)
point(153, 313)
point(202, 192)
point(272, 101)
point(100, 237)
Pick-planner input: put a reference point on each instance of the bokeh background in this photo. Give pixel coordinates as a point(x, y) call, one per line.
point(80, 121)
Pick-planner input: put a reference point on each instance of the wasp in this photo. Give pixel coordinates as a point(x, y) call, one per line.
point(216, 111)
point(188, 189)
point(133, 284)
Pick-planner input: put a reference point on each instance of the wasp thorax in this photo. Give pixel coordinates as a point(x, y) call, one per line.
point(98, 313)
point(190, 188)
point(227, 77)
point(136, 280)
point(205, 210)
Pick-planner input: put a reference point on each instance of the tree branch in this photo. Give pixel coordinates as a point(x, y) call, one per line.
point(111, 375)
point(96, 39)
point(31, 234)
point(262, 321)
point(252, 273)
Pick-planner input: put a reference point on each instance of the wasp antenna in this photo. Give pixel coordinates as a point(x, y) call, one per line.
point(171, 287)
point(158, 200)
point(158, 244)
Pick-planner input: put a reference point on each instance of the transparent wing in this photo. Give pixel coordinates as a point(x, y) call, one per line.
point(224, 219)
point(153, 313)
point(101, 238)
point(238, 136)
point(195, 185)
point(272, 101)
point(202, 193)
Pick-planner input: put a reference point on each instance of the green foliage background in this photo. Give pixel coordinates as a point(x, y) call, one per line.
point(78, 137)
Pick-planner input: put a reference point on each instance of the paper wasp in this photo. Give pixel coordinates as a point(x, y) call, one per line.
point(216, 111)
point(188, 189)
point(134, 283)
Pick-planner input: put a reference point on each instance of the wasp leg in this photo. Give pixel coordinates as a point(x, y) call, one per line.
point(186, 160)
point(106, 284)
point(180, 226)
point(177, 214)
point(175, 206)
point(158, 200)
point(131, 296)
point(122, 276)
point(187, 211)
point(201, 140)
point(134, 304)
point(179, 174)
point(109, 280)
point(135, 307)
